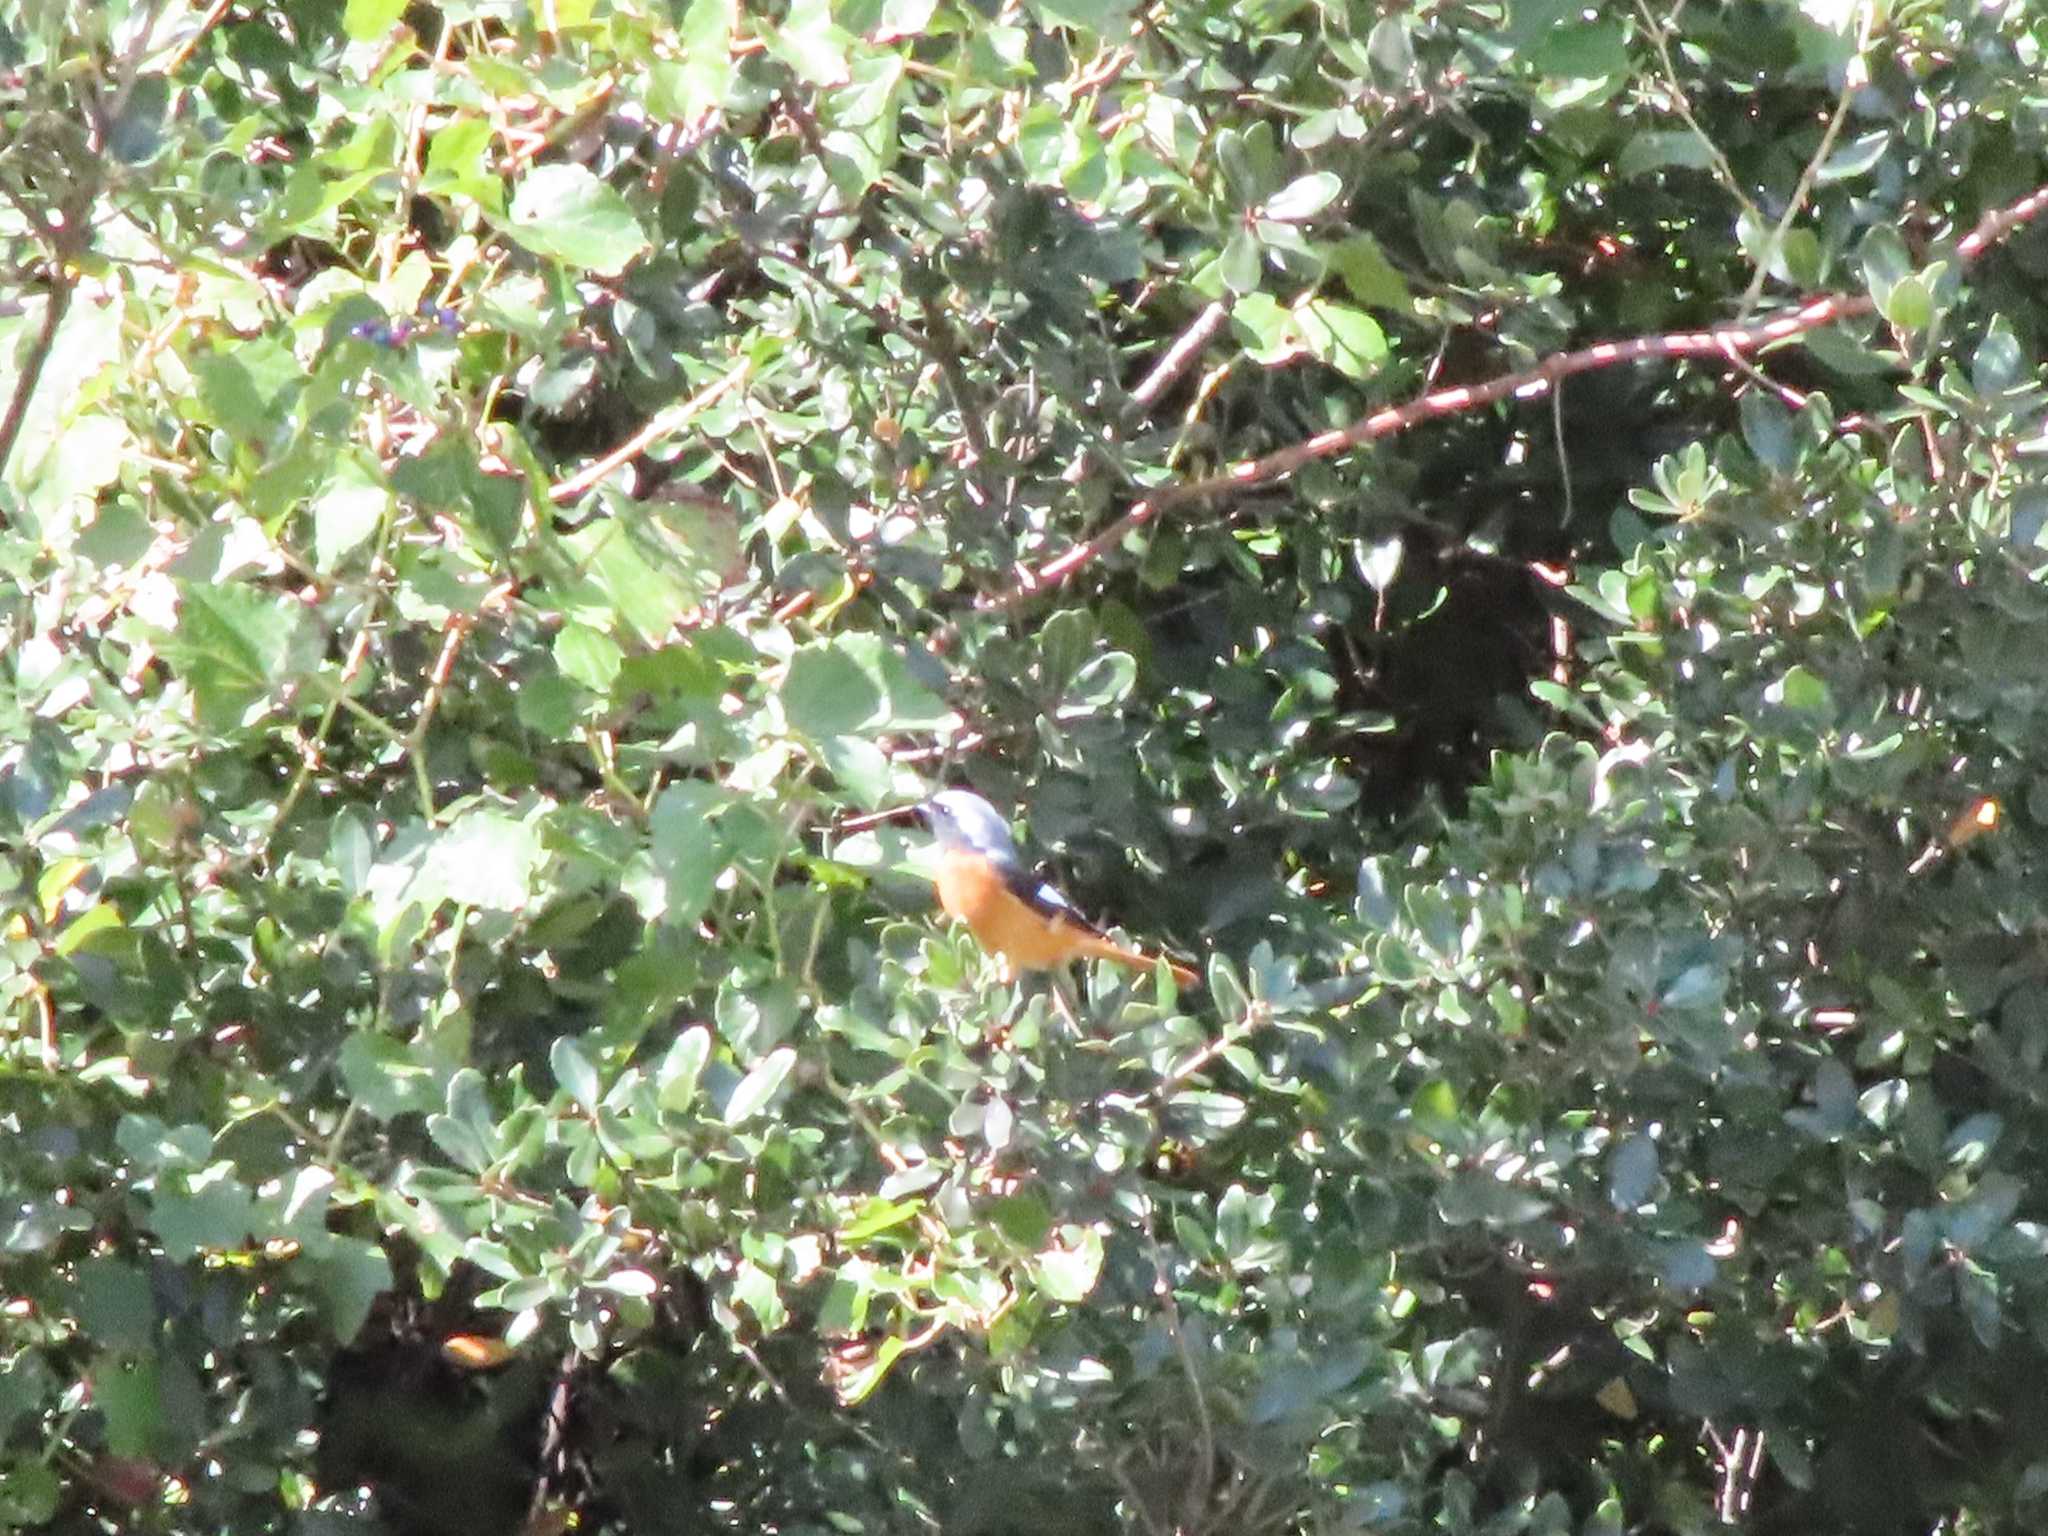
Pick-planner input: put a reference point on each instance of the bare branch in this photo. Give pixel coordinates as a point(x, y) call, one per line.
point(1660, 40)
point(562, 492)
point(1185, 349)
point(1530, 383)
point(58, 302)
point(1854, 76)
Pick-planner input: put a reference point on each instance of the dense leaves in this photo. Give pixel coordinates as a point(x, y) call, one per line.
point(490, 493)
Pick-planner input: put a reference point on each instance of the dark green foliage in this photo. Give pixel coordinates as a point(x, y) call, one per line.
point(489, 492)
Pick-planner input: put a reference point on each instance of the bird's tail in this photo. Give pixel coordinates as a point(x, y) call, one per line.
point(1138, 960)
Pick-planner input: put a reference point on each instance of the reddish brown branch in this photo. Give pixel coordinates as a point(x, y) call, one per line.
point(1727, 340)
point(1185, 349)
point(58, 301)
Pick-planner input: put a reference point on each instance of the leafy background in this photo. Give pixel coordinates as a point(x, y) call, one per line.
point(490, 490)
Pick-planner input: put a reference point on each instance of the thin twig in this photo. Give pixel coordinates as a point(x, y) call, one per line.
point(32, 367)
point(1529, 383)
point(927, 339)
point(1792, 399)
point(311, 751)
point(1854, 74)
point(46, 1024)
point(1140, 1507)
point(207, 23)
point(126, 69)
point(1185, 349)
point(565, 491)
point(554, 1436)
point(1259, 1017)
point(1723, 171)
point(1204, 1485)
point(413, 165)
point(459, 627)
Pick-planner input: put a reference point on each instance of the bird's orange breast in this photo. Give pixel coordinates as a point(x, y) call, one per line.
point(973, 891)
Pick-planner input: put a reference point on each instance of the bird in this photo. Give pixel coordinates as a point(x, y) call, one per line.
point(1026, 923)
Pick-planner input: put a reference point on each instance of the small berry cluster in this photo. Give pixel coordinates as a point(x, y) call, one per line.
point(396, 333)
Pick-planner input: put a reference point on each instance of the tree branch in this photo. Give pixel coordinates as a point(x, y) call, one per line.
point(672, 419)
point(1530, 383)
point(32, 367)
point(1185, 349)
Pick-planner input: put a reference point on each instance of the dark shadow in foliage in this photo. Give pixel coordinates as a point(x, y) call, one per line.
point(447, 1449)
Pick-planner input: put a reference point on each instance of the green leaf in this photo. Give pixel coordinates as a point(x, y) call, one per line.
point(248, 387)
point(30, 1494)
point(685, 848)
point(878, 1216)
point(137, 133)
point(458, 162)
point(460, 1142)
point(1242, 262)
point(1698, 986)
point(1379, 563)
point(346, 512)
point(1371, 278)
point(1999, 361)
point(1268, 328)
point(238, 645)
point(130, 1400)
point(700, 83)
point(1689, 1267)
point(1664, 149)
point(826, 692)
point(215, 1212)
point(1304, 197)
point(1098, 16)
point(349, 1274)
point(1068, 1270)
point(856, 683)
point(676, 1079)
point(1857, 157)
point(1582, 50)
point(386, 1078)
point(1885, 260)
point(564, 212)
point(368, 21)
point(1349, 340)
point(574, 1071)
point(1024, 1219)
point(1909, 304)
point(1767, 429)
point(465, 1131)
point(99, 918)
point(1104, 682)
point(810, 44)
point(115, 1305)
point(486, 859)
point(588, 656)
point(1375, 905)
point(1802, 690)
point(1476, 1197)
point(860, 768)
point(759, 1086)
point(859, 1386)
point(1632, 1172)
point(1392, 50)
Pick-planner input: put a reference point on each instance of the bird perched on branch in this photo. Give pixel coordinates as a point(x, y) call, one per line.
point(1019, 918)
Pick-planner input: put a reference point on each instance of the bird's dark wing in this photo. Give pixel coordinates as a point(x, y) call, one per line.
point(1045, 898)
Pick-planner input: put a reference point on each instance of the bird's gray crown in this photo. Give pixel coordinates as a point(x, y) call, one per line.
point(962, 819)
